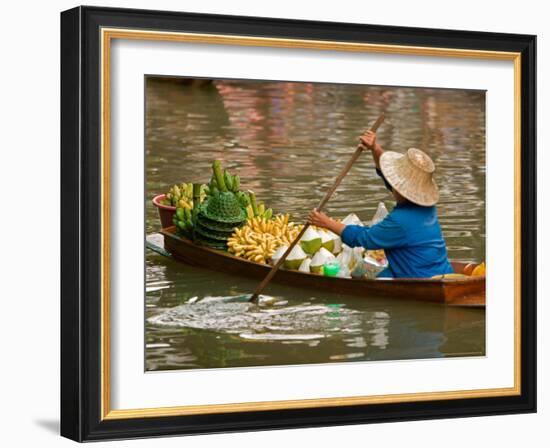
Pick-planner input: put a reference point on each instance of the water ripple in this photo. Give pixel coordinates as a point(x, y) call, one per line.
point(301, 322)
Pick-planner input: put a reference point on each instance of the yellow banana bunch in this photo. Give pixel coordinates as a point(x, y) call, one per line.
point(185, 203)
point(261, 237)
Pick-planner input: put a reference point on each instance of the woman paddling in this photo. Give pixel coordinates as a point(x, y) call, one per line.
point(410, 235)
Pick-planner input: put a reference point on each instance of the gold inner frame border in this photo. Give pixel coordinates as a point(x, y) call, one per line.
point(107, 35)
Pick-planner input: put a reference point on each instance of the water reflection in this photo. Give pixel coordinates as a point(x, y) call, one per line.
point(183, 331)
point(288, 141)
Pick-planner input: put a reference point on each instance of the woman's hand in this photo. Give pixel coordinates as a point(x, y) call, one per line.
point(319, 219)
point(368, 140)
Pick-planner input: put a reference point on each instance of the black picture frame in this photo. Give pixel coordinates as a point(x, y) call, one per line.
point(81, 224)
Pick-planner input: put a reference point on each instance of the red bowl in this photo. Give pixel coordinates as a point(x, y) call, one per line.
point(166, 212)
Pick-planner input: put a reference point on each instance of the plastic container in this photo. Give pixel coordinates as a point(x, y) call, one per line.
point(166, 212)
point(331, 268)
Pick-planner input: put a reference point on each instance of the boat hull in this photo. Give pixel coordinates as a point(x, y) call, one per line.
point(469, 291)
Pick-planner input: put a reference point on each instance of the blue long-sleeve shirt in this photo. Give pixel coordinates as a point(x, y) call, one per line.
point(411, 238)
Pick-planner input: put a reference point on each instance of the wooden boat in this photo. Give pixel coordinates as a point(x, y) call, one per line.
point(468, 291)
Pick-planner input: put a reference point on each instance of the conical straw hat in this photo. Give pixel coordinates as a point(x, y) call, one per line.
point(411, 175)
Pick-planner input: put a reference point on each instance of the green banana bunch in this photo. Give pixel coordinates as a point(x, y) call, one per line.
point(183, 220)
point(236, 182)
point(182, 195)
point(228, 180)
point(212, 189)
point(254, 209)
point(222, 180)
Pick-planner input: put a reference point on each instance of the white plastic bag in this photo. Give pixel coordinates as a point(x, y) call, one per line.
point(356, 264)
point(343, 272)
point(344, 257)
point(381, 213)
point(352, 219)
point(373, 267)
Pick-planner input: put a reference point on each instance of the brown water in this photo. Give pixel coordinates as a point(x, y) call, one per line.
point(288, 141)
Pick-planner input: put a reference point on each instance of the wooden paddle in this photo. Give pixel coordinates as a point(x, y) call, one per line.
point(323, 202)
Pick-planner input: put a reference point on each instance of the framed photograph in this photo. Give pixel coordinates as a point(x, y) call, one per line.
point(276, 224)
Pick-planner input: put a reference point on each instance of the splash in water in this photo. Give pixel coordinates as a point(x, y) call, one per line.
point(272, 320)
